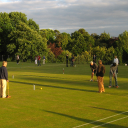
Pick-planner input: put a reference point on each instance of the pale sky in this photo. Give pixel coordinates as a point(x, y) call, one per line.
point(95, 16)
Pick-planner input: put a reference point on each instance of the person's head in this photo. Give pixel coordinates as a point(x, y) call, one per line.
point(114, 64)
point(100, 62)
point(94, 55)
point(91, 63)
point(115, 57)
point(4, 63)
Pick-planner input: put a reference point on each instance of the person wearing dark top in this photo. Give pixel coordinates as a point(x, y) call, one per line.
point(39, 58)
point(67, 60)
point(94, 59)
point(93, 67)
point(72, 61)
point(113, 73)
point(100, 75)
point(3, 79)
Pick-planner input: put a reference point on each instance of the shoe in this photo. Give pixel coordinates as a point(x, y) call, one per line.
point(117, 86)
point(109, 86)
point(8, 96)
point(91, 80)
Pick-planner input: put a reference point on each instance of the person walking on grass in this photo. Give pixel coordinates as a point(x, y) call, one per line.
point(35, 60)
point(39, 58)
point(100, 76)
point(93, 67)
point(113, 69)
point(3, 79)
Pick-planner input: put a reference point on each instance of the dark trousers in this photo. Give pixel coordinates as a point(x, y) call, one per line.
point(39, 63)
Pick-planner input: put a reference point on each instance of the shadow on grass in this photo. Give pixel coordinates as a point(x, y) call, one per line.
point(58, 80)
point(86, 121)
point(116, 111)
point(58, 87)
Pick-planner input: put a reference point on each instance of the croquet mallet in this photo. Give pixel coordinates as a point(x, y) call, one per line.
point(8, 90)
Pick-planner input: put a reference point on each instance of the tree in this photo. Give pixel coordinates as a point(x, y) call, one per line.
point(62, 40)
point(32, 24)
point(20, 36)
point(28, 42)
point(48, 34)
point(122, 46)
point(5, 29)
point(56, 50)
point(81, 41)
point(104, 39)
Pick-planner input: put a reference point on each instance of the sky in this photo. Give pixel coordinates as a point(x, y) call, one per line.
point(95, 16)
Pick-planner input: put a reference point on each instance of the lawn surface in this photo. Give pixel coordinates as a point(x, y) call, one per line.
point(66, 100)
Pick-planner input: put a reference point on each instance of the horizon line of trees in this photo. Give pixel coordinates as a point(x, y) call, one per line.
point(19, 36)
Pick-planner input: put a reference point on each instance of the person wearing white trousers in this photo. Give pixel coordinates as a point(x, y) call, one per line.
point(3, 79)
point(43, 59)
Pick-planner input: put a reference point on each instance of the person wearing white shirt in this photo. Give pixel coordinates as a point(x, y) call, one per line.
point(117, 63)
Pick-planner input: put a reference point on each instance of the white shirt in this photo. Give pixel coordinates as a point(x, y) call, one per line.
point(116, 61)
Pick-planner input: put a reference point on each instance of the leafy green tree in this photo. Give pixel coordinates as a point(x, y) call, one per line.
point(100, 52)
point(96, 39)
point(33, 25)
point(57, 32)
point(108, 58)
point(122, 47)
point(48, 34)
point(5, 29)
point(62, 40)
point(81, 41)
point(28, 42)
point(104, 39)
point(20, 36)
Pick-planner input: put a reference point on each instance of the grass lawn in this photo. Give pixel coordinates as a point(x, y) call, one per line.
point(66, 100)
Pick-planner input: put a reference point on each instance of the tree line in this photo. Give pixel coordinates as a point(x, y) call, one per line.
point(22, 36)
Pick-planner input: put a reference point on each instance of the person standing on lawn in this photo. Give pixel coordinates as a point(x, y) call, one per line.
point(3, 79)
point(43, 59)
point(17, 59)
point(113, 68)
point(116, 60)
point(67, 60)
point(39, 58)
point(100, 75)
point(93, 67)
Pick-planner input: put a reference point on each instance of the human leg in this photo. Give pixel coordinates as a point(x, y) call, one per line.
point(100, 84)
point(103, 90)
point(110, 80)
point(116, 83)
point(117, 70)
point(4, 85)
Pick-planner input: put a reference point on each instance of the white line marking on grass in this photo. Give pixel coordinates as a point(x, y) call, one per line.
point(110, 122)
point(99, 120)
